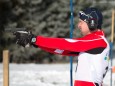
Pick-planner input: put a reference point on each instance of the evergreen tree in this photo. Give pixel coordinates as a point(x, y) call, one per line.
point(44, 17)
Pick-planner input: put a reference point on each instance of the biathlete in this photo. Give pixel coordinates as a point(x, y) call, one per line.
point(92, 49)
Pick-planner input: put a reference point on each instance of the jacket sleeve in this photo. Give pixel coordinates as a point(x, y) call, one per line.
point(70, 47)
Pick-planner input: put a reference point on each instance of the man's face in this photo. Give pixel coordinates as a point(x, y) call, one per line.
point(82, 25)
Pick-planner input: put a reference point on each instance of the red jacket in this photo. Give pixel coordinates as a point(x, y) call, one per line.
point(93, 51)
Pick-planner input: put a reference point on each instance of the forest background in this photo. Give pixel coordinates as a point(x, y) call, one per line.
point(47, 18)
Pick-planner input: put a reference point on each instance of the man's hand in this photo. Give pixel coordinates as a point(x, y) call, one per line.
point(23, 38)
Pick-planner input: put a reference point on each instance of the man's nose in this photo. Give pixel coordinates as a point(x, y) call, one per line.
point(79, 25)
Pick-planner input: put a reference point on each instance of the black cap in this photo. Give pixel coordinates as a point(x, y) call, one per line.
point(91, 13)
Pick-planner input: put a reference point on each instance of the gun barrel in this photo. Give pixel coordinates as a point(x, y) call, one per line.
point(14, 29)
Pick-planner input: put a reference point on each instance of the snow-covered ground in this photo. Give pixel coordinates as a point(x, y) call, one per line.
point(43, 75)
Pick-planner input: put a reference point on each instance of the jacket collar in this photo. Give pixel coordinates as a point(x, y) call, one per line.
point(99, 32)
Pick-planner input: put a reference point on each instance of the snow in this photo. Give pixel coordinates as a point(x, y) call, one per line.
point(43, 75)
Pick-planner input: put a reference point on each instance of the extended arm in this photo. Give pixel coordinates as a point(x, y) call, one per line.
point(71, 47)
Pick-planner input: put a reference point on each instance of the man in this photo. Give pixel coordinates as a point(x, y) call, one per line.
point(92, 49)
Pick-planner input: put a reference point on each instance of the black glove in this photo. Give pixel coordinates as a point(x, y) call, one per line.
point(24, 38)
